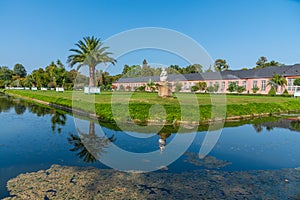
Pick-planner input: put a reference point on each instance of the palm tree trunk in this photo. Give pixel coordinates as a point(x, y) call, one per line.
point(101, 78)
point(92, 76)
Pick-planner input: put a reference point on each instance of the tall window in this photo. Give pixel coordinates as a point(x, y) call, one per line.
point(223, 86)
point(244, 83)
point(237, 83)
point(254, 84)
point(290, 84)
point(263, 85)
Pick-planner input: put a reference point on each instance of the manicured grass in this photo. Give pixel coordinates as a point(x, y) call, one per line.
point(140, 103)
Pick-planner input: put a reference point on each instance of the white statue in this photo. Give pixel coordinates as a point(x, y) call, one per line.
point(163, 75)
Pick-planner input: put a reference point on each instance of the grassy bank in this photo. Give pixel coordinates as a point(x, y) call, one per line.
point(140, 103)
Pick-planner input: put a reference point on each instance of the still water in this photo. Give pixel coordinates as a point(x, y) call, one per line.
point(34, 137)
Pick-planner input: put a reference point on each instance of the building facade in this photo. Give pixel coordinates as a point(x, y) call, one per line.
point(254, 80)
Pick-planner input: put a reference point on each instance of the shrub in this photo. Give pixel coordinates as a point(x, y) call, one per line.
point(178, 86)
point(121, 88)
point(272, 91)
point(194, 88)
point(141, 88)
point(216, 87)
point(210, 89)
point(255, 89)
point(285, 92)
point(240, 89)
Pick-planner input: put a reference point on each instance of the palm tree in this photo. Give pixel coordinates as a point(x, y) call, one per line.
point(277, 80)
point(90, 53)
point(151, 85)
point(221, 65)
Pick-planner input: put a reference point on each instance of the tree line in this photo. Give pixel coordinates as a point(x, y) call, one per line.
point(53, 75)
point(91, 52)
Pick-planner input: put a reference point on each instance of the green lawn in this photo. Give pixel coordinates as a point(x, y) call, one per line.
point(140, 103)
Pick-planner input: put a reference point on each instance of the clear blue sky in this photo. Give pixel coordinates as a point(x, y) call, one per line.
point(35, 32)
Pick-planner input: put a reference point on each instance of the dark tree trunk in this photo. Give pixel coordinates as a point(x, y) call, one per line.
point(92, 76)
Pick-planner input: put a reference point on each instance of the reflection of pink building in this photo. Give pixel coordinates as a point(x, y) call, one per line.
point(250, 79)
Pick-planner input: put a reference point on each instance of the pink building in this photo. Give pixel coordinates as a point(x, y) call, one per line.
point(253, 80)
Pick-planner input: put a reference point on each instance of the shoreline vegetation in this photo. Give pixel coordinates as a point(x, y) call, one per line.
point(99, 107)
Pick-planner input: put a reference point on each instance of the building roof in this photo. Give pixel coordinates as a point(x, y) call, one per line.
point(267, 72)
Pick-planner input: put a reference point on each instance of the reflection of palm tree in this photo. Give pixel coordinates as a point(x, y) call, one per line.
point(58, 119)
point(90, 145)
point(79, 146)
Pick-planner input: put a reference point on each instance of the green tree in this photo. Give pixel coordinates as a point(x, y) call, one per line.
point(57, 74)
point(151, 85)
point(261, 62)
point(40, 78)
point(221, 65)
point(147, 71)
point(90, 52)
point(191, 69)
point(297, 81)
point(5, 75)
point(131, 71)
point(19, 70)
point(277, 80)
point(272, 63)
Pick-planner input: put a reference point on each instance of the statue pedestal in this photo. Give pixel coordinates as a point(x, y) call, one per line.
point(165, 90)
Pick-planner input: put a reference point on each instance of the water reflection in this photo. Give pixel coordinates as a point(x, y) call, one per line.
point(58, 119)
point(90, 145)
point(286, 123)
point(162, 141)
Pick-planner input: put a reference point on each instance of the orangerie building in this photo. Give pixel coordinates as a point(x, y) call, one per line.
point(247, 78)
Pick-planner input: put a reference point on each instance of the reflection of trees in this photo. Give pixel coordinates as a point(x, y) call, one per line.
point(295, 125)
point(38, 110)
point(5, 104)
point(20, 108)
point(258, 127)
point(58, 119)
point(90, 145)
point(269, 128)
